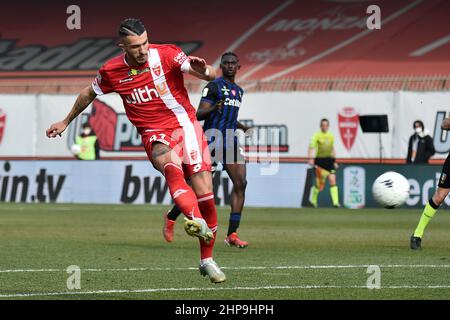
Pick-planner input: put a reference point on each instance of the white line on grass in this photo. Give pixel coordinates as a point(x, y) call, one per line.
point(236, 268)
point(154, 290)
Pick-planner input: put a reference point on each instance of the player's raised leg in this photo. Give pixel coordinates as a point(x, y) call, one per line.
point(436, 200)
point(237, 173)
point(168, 162)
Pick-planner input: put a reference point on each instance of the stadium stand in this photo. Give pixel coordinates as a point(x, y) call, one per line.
point(283, 45)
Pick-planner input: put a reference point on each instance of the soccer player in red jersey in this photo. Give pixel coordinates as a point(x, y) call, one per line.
point(149, 79)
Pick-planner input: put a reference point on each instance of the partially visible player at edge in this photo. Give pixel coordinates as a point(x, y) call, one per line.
point(322, 142)
point(149, 79)
point(435, 201)
point(219, 107)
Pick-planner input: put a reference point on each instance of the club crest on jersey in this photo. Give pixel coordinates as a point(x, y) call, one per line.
point(225, 90)
point(135, 72)
point(193, 155)
point(156, 68)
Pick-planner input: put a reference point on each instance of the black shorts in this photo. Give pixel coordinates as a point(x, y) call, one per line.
point(326, 163)
point(444, 180)
point(233, 153)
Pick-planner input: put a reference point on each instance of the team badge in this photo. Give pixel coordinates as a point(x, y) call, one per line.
point(348, 120)
point(134, 72)
point(156, 68)
point(193, 155)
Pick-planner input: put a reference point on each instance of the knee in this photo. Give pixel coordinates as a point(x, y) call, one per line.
point(240, 185)
point(202, 183)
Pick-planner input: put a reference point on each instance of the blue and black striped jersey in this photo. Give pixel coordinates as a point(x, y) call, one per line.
point(231, 94)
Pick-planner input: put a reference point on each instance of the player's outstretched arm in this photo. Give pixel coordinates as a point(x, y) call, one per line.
point(200, 69)
point(446, 124)
point(86, 96)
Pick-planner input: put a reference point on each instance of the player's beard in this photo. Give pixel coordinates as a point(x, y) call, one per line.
point(142, 59)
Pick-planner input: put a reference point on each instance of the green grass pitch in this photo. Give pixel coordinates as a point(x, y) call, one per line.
point(293, 254)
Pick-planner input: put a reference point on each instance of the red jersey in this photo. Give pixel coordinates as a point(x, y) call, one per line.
point(153, 94)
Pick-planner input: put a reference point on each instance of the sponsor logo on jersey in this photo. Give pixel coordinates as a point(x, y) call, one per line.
point(225, 91)
point(135, 72)
point(126, 80)
point(2, 124)
point(348, 121)
point(232, 102)
point(142, 95)
point(180, 57)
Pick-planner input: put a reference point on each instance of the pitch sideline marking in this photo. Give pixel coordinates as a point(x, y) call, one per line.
point(236, 268)
point(153, 290)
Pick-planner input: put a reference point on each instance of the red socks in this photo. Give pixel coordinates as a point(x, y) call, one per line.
point(182, 194)
point(207, 207)
point(185, 199)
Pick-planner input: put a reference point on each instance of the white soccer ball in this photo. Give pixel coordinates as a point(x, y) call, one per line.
point(76, 149)
point(391, 190)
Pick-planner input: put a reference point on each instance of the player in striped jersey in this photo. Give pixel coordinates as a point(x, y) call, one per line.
point(219, 107)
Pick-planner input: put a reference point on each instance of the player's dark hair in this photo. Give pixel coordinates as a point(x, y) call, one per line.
point(420, 123)
point(86, 125)
point(323, 120)
point(229, 53)
point(131, 27)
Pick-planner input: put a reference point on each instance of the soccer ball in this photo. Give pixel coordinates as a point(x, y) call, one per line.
point(391, 190)
point(76, 149)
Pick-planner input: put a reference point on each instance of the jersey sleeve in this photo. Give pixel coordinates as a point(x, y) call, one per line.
point(210, 93)
point(101, 83)
point(177, 59)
